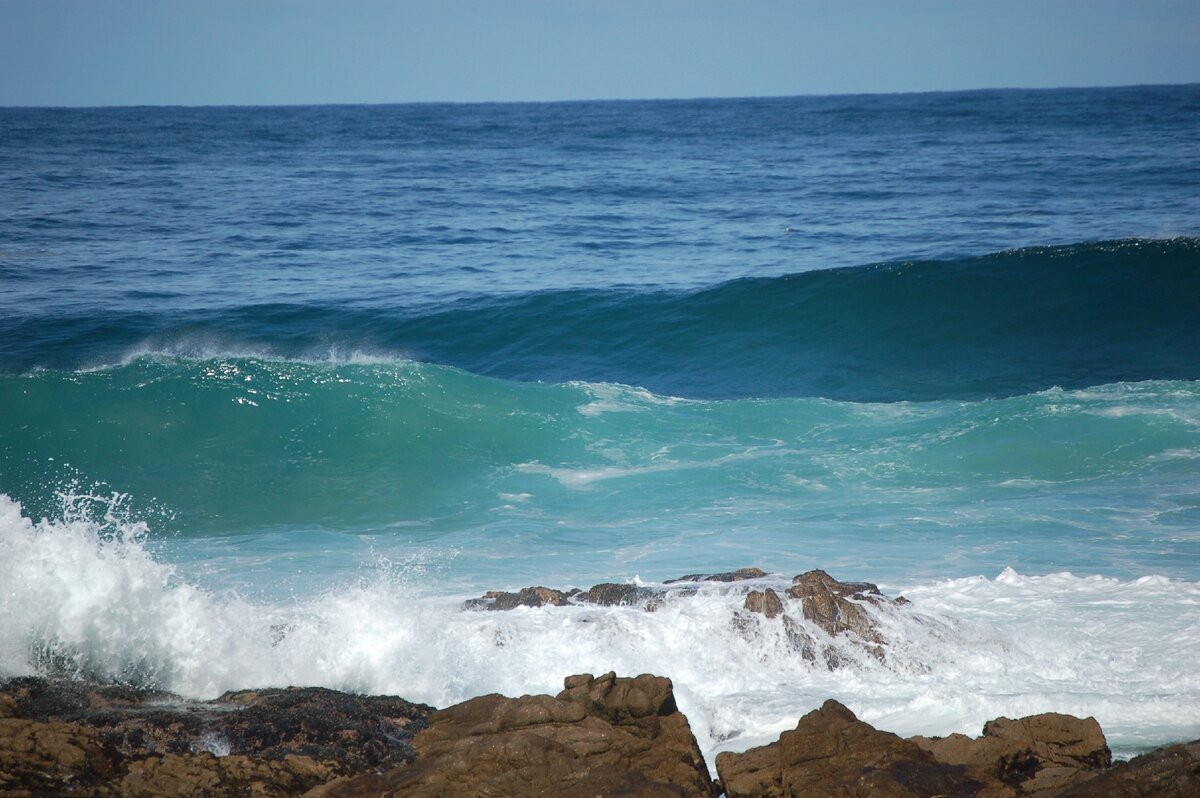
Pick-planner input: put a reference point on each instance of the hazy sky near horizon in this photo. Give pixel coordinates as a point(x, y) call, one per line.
point(200, 52)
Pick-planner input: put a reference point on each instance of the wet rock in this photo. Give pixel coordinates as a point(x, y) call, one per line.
point(54, 759)
point(614, 595)
point(1171, 772)
point(599, 736)
point(1041, 755)
point(729, 576)
point(837, 607)
point(831, 752)
point(108, 740)
point(804, 644)
point(764, 602)
point(207, 776)
point(526, 597)
point(358, 731)
point(361, 732)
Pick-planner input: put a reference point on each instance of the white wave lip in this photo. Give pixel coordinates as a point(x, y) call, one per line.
point(87, 595)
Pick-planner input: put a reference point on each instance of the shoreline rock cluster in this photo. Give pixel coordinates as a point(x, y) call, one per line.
point(605, 736)
point(841, 610)
point(600, 736)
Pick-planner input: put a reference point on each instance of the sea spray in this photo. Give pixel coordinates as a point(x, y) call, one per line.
point(95, 602)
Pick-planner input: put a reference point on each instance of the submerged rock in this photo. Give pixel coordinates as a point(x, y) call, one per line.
point(600, 736)
point(839, 609)
point(739, 575)
point(609, 594)
point(526, 597)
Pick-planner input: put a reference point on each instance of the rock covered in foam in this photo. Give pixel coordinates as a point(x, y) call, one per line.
point(609, 594)
point(839, 609)
point(600, 736)
point(740, 575)
point(526, 597)
point(764, 602)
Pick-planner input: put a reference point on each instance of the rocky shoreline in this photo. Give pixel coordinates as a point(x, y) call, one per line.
point(600, 736)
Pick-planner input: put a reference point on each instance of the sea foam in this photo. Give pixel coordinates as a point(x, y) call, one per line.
point(87, 596)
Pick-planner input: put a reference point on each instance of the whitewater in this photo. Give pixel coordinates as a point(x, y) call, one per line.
point(282, 388)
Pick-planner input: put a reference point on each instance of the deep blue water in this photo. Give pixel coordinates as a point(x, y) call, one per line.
point(905, 338)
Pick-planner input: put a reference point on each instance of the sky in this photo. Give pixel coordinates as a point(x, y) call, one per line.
point(260, 52)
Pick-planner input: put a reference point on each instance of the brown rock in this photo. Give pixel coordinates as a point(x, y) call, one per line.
point(729, 576)
point(206, 776)
point(1041, 755)
point(358, 732)
point(609, 594)
point(837, 607)
point(831, 752)
point(599, 736)
point(765, 602)
point(526, 597)
point(1171, 772)
point(54, 759)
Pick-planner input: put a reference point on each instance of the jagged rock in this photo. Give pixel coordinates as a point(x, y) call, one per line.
point(79, 738)
point(526, 597)
point(831, 752)
point(729, 576)
point(1040, 755)
point(357, 731)
point(803, 643)
point(614, 595)
point(1171, 772)
point(607, 594)
point(206, 776)
point(765, 602)
point(599, 736)
point(837, 607)
point(54, 759)
point(360, 732)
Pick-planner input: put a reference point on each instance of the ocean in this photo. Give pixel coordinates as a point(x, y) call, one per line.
point(281, 387)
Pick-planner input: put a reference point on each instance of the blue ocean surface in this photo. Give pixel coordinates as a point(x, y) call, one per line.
point(281, 386)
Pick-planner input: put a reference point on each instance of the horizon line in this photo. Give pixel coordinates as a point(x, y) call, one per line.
point(698, 98)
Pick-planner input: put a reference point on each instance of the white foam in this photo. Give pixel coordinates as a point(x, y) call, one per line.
point(89, 596)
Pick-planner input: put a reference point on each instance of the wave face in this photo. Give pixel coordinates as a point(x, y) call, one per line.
point(86, 595)
point(512, 480)
point(280, 387)
point(1001, 325)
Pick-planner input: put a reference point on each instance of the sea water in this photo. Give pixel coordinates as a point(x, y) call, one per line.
point(281, 387)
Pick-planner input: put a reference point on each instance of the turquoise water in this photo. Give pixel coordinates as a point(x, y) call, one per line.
point(280, 387)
